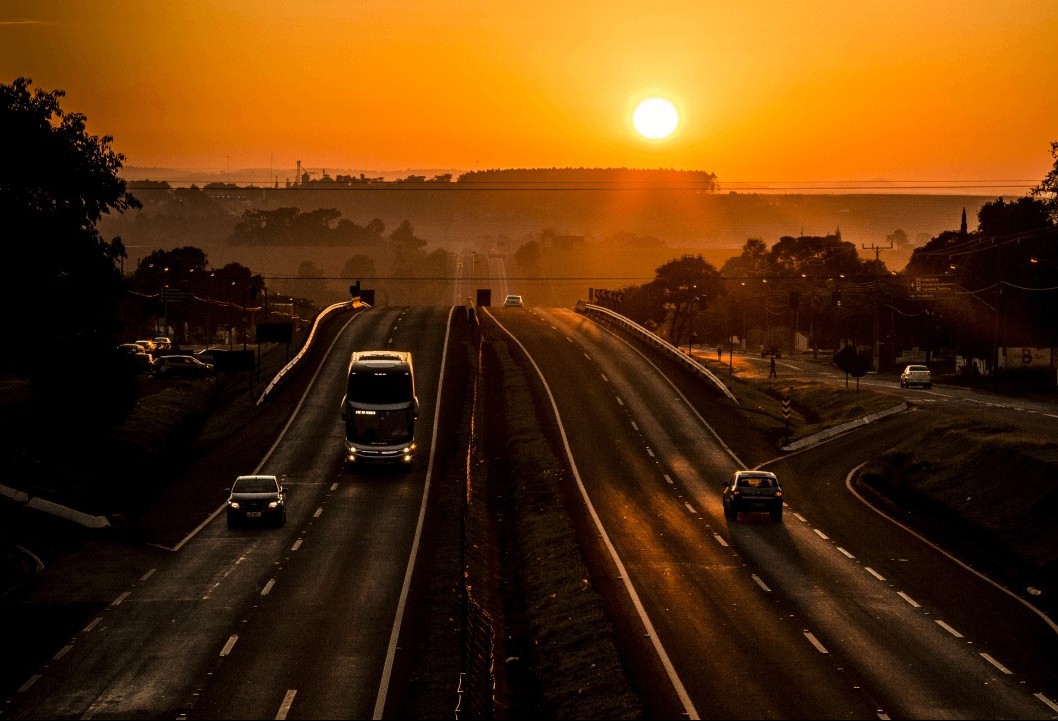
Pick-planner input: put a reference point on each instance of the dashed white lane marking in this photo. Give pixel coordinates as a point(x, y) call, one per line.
point(720, 539)
point(284, 708)
point(634, 426)
point(95, 622)
point(815, 642)
point(874, 573)
point(650, 452)
point(297, 545)
point(62, 652)
point(117, 601)
point(1044, 699)
point(318, 513)
point(690, 508)
point(229, 645)
point(845, 553)
point(268, 587)
point(948, 628)
point(619, 401)
point(29, 682)
point(760, 582)
point(147, 575)
point(907, 598)
point(667, 479)
point(821, 534)
point(997, 664)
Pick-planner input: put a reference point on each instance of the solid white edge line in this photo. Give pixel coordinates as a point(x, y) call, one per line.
point(1043, 616)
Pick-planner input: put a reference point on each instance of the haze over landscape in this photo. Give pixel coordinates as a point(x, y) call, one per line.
point(636, 249)
point(927, 97)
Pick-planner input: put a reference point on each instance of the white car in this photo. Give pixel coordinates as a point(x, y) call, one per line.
point(513, 301)
point(916, 375)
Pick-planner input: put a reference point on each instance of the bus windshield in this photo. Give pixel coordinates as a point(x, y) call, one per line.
point(380, 427)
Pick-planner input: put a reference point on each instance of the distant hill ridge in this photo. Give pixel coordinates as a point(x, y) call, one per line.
point(686, 211)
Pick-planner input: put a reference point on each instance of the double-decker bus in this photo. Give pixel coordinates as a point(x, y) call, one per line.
point(380, 408)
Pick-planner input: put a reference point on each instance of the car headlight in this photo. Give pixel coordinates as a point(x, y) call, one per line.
point(234, 505)
point(274, 504)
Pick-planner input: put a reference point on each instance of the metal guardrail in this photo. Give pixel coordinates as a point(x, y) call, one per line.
point(323, 314)
point(651, 339)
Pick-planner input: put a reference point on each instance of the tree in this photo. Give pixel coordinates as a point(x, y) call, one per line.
point(1048, 187)
point(358, 266)
point(852, 364)
point(898, 238)
point(57, 182)
point(685, 285)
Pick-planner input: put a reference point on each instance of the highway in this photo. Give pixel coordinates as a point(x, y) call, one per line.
point(262, 623)
point(835, 613)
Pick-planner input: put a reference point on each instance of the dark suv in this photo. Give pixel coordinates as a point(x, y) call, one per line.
point(752, 492)
point(180, 366)
point(257, 498)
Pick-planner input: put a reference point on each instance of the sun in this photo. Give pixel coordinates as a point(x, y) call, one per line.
point(655, 118)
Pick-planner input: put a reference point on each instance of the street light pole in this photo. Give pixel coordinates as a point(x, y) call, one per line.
point(877, 250)
point(165, 301)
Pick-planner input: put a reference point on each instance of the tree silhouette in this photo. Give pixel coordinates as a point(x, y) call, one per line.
point(1048, 187)
point(58, 182)
point(852, 363)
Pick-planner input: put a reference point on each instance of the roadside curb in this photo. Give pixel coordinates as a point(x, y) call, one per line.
point(839, 429)
point(55, 509)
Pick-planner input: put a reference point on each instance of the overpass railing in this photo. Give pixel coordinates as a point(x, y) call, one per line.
point(598, 312)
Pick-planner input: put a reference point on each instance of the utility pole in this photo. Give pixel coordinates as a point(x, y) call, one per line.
point(877, 250)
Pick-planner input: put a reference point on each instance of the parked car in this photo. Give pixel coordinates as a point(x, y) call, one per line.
point(139, 359)
point(258, 498)
point(752, 492)
point(180, 366)
point(147, 345)
point(769, 350)
point(514, 301)
point(162, 342)
point(916, 375)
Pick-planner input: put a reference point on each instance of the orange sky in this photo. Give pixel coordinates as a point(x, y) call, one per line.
point(790, 92)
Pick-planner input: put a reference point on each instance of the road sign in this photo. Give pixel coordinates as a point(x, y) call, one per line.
point(786, 415)
point(932, 287)
point(174, 295)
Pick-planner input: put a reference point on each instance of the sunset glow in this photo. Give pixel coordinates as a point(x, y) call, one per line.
point(768, 91)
